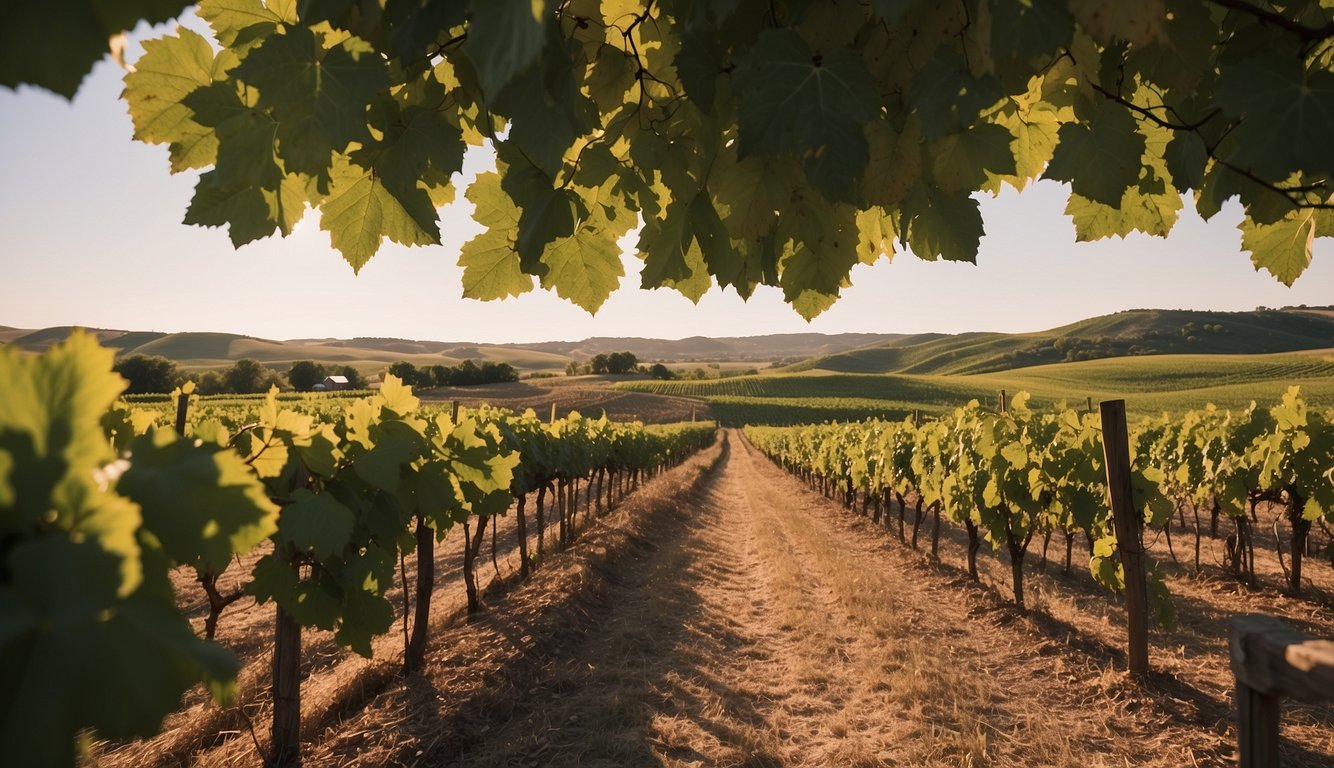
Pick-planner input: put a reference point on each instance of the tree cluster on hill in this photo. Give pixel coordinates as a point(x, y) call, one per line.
point(614, 363)
point(466, 373)
point(305, 374)
point(148, 374)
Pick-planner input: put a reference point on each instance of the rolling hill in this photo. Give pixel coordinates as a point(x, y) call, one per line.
point(1131, 333)
point(197, 350)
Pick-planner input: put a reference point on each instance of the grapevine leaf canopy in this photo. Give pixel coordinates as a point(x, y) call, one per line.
point(775, 143)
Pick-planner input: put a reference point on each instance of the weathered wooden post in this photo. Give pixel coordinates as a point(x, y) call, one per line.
point(1126, 518)
point(1271, 660)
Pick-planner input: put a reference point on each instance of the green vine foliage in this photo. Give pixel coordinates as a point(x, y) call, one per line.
point(776, 143)
point(90, 635)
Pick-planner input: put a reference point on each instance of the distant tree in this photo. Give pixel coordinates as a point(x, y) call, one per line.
point(437, 376)
point(660, 371)
point(405, 371)
point(148, 373)
point(354, 378)
point(305, 374)
point(599, 364)
point(573, 368)
point(493, 372)
point(247, 376)
point(621, 362)
point(467, 373)
point(210, 383)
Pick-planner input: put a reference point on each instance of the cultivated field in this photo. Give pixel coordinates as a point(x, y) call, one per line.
point(725, 615)
point(1149, 385)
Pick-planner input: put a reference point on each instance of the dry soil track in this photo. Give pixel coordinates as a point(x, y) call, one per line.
point(767, 627)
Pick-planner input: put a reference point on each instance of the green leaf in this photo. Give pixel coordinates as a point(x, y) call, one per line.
point(236, 23)
point(960, 162)
point(1112, 21)
point(699, 62)
point(749, 193)
point(947, 97)
point(1286, 111)
point(545, 107)
point(585, 267)
point(890, 11)
point(316, 523)
point(200, 501)
point(895, 164)
point(812, 277)
point(1282, 248)
point(943, 225)
point(1101, 159)
point(64, 634)
point(504, 38)
point(1023, 28)
point(170, 69)
point(54, 44)
point(794, 101)
point(1150, 207)
point(1186, 157)
point(318, 95)
point(490, 262)
point(361, 211)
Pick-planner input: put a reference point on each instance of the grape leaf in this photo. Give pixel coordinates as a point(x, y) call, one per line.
point(791, 100)
point(585, 267)
point(361, 211)
point(947, 97)
point(489, 261)
point(1112, 21)
point(1102, 159)
point(200, 501)
point(1288, 114)
point(504, 38)
point(1283, 248)
point(318, 95)
point(943, 225)
point(316, 523)
point(53, 44)
point(170, 69)
point(960, 162)
point(238, 23)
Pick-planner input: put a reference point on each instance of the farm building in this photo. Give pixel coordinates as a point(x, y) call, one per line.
point(331, 383)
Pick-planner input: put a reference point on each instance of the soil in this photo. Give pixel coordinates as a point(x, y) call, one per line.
point(589, 395)
point(726, 615)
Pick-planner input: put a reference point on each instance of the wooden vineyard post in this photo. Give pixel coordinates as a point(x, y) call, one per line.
point(1270, 660)
point(285, 746)
point(182, 408)
point(1125, 517)
point(1001, 409)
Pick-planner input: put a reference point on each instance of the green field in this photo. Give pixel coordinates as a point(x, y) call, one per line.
point(1148, 384)
point(1133, 333)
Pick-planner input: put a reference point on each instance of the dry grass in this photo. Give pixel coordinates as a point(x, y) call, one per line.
point(589, 395)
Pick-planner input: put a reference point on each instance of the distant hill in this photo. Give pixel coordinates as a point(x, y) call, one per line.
point(698, 348)
point(1130, 333)
point(214, 350)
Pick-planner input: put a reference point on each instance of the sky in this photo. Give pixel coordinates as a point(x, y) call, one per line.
point(90, 235)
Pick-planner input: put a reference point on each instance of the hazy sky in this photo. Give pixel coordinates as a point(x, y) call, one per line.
point(90, 234)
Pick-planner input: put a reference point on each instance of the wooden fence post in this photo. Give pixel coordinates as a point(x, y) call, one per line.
point(182, 409)
point(1271, 660)
point(1126, 518)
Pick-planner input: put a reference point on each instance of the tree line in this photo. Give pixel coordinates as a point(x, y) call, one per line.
point(148, 374)
point(466, 373)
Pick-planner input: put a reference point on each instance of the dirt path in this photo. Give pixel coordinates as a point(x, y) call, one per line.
point(768, 629)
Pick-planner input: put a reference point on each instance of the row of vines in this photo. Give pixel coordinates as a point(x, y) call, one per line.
point(1014, 473)
point(100, 501)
